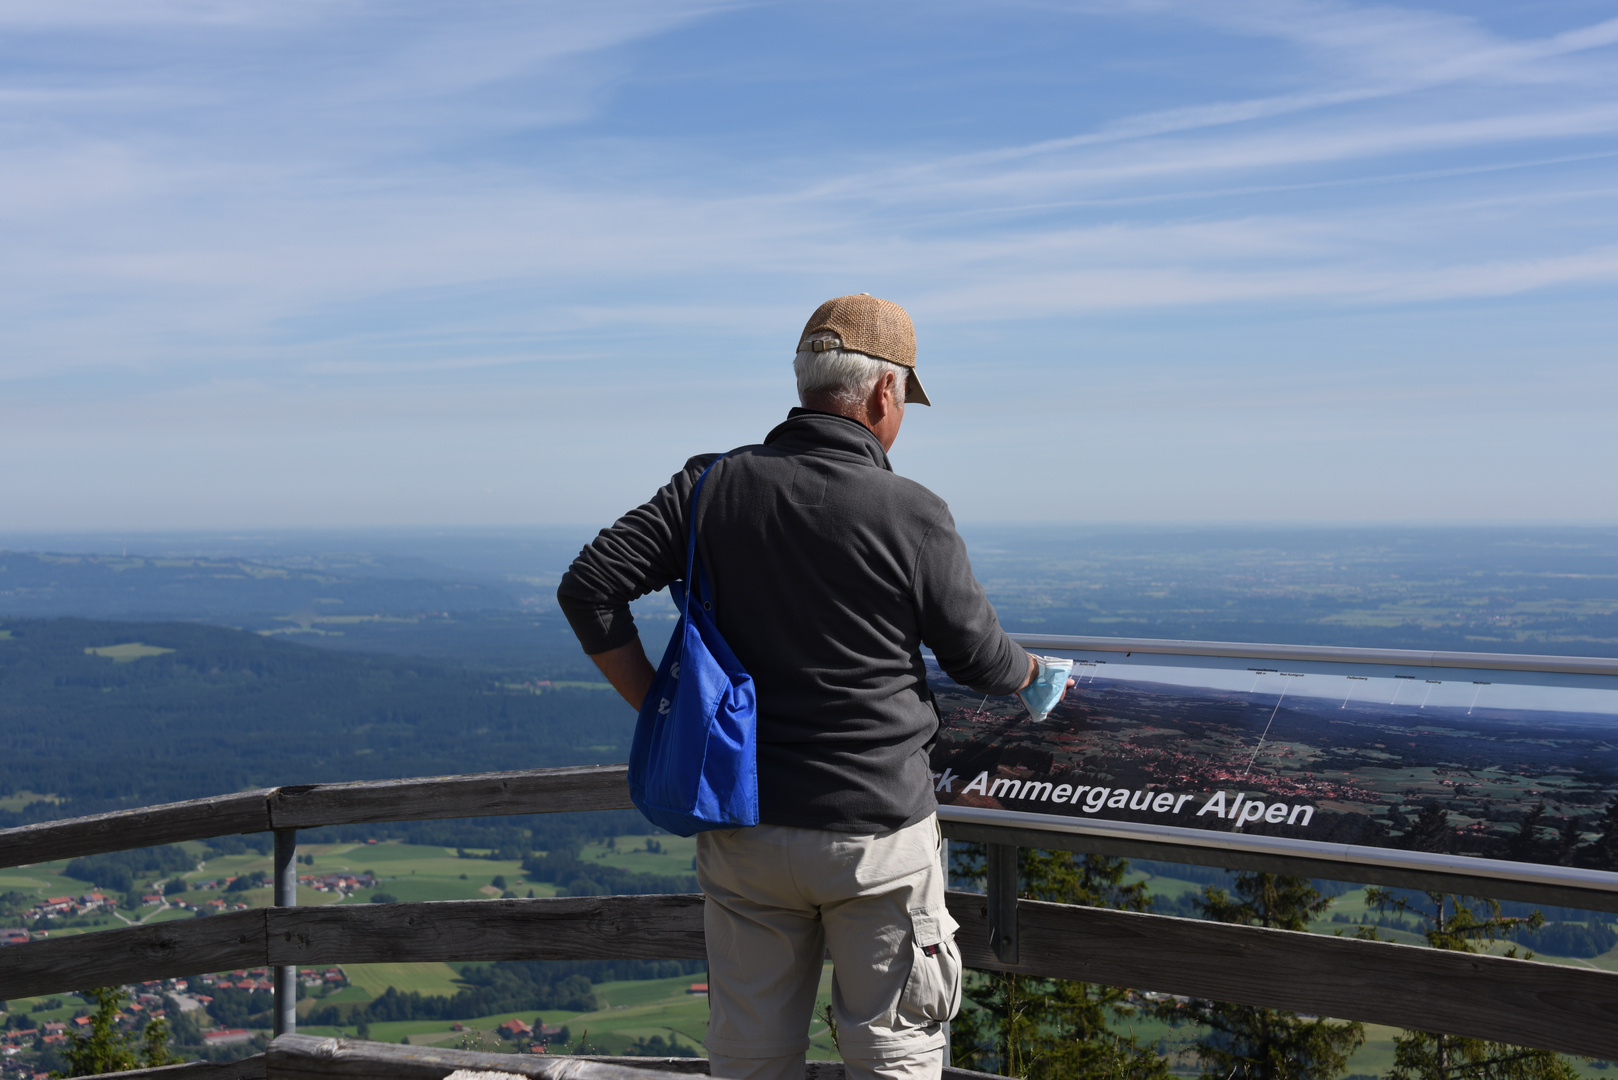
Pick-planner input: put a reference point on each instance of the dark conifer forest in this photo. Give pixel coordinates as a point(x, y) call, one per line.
point(224, 710)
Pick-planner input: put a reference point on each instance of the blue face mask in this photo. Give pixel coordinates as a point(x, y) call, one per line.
point(1050, 683)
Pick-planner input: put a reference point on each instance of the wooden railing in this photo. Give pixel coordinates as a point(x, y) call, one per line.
point(1567, 1009)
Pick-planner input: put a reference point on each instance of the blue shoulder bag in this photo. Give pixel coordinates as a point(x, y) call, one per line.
point(693, 764)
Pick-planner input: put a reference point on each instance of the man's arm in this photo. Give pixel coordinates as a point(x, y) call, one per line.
point(630, 673)
point(642, 552)
point(959, 623)
point(956, 619)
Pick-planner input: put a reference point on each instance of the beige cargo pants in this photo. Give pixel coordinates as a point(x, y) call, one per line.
point(778, 899)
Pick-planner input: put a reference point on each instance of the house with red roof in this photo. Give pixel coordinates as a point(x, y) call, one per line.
point(227, 1037)
point(514, 1028)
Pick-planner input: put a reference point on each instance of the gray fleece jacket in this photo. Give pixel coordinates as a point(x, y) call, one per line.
point(828, 573)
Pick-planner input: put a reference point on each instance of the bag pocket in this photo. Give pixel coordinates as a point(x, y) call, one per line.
point(932, 994)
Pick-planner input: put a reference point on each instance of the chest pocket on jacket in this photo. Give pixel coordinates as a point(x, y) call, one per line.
point(808, 486)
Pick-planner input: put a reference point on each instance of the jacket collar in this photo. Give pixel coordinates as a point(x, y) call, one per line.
point(806, 429)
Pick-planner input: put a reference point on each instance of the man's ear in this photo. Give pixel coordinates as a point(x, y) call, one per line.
point(885, 391)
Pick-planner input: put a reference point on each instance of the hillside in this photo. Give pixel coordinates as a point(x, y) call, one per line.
point(122, 714)
point(493, 612)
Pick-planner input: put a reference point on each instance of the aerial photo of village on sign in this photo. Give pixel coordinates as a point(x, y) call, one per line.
point(1336, 753)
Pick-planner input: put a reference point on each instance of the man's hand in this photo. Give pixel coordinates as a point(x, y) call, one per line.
point(1033, 673)
point(630, 673)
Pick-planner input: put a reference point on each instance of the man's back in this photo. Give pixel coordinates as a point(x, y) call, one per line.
point(828, 572)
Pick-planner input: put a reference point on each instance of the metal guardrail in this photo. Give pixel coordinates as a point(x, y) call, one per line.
point(1570, 665)
point(1564, 886)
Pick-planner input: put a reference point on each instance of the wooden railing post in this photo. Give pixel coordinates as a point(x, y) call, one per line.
point(1002, 890)
point(286, 895)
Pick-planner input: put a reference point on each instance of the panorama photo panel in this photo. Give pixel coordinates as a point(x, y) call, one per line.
point(1444, 760)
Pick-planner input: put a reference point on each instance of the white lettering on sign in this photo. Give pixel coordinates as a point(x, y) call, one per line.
point(1236, 806)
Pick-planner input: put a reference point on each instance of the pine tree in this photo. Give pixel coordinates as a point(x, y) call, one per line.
point(155, 1044)
point(1045, 1029)
point(1567, 843)
point(104, 1049)
point(1602, 852)
point(1525, 845)
point(1268, 1044)
point(1464, 924)
point(1430, 831)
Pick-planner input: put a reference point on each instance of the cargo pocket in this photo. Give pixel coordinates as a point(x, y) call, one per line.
point(933, 991)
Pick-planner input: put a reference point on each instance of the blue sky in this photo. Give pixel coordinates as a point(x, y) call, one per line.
point(334, 263)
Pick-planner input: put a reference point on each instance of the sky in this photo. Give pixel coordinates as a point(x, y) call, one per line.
point(341, 263)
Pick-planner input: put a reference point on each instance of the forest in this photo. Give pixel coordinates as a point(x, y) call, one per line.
point(204, 710)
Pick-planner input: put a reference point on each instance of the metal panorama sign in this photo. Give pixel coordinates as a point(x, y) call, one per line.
point(1480, 762)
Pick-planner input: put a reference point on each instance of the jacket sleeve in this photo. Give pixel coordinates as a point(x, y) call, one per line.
point(641, 553)
point(957, 621)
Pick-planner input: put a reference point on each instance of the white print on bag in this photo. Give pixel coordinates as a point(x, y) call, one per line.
point(1241, 808)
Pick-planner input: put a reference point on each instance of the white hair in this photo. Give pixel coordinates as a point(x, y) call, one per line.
point(843, 377)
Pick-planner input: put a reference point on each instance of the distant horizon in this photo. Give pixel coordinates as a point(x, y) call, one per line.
point(245, 532)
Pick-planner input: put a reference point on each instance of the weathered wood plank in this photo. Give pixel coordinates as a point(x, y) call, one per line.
point(296, 1057)
point(812, 1070)
point(250, 1068)
point(561, 928)
point(685, 1066)
point(1572, 1010)
point(113, 957)
point(1559, 1008)
point(528, 791)
point(222, 815)
point(564, 928)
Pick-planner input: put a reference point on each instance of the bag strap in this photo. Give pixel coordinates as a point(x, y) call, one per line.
point(691, 563)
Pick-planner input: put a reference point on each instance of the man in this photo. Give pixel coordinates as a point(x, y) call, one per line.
point(828, 573)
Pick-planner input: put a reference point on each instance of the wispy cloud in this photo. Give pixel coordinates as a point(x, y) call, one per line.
point(221, 209)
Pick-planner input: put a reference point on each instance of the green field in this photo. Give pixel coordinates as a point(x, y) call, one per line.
point(407, 872)
point(423, 978)
point(41, 880)
point(630, 853)
point(629, 1011)
point(128, 652)
point(17, 800)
